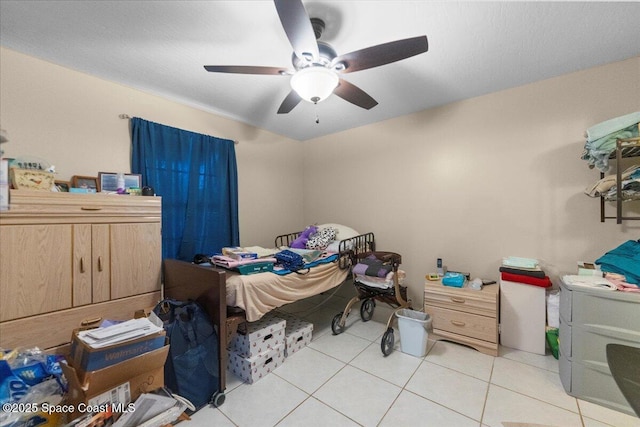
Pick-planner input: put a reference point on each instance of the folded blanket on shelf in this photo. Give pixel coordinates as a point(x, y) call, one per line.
point(610, 126)
point(605, 184)
point(601, 139)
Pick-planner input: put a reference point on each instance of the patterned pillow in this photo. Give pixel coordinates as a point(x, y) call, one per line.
point(322, 238)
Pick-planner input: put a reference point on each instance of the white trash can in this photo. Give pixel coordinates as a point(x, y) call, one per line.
point(413, 327)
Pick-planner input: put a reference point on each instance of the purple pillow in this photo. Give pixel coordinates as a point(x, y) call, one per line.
point(301, 241)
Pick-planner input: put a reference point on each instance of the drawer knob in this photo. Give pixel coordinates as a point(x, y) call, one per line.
point(457, 323)
point(458, 300)
point(91, 208)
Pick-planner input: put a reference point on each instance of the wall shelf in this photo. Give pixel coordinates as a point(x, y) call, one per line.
point(625, 148)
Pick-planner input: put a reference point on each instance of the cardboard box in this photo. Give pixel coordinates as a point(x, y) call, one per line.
point(251, 369)
point(121, 383)
point(86, 358)
point(259, 337)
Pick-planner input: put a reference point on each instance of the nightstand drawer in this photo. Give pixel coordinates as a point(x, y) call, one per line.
point(477, 302)
point(458, 322)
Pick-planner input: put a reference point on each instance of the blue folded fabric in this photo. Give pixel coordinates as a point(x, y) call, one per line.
point(325, 260)
point(625, 259)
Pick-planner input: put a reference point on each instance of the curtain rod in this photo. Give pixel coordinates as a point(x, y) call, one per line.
point(126, 116)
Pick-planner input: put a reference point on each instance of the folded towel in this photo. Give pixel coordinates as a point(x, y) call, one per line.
point(372, 267)
point(589, 282)
point(531, 273)
point(520, 262)
point(528, 280)
point(610, 126)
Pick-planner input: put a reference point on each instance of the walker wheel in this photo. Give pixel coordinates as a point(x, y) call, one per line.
point(336, 328)
point(387, 342)
point(366, 309)
point(217, 399)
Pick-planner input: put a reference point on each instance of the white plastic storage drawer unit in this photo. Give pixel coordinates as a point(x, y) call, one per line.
point(589, 320)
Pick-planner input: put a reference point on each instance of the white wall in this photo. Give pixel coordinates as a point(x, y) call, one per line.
point(71, 120)
point(470, 182)
point(477, 180)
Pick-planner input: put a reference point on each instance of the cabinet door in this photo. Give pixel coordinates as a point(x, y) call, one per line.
point(136, 258)
point(35, 269)
point(81, 264)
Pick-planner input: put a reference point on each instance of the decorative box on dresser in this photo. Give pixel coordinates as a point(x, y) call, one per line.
point(70, 259)
point(464, 315)
point(589, 320)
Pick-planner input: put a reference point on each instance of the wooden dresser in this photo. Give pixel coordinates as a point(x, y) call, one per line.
point(72, 259)
point(464, 315)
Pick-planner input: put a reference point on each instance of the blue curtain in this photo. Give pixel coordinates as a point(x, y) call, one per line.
point(196, 176)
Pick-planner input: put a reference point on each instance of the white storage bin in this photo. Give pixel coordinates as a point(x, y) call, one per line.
point(251, 369)
point(259, 337)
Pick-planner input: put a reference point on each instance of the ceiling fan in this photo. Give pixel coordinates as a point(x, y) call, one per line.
point(316, 65)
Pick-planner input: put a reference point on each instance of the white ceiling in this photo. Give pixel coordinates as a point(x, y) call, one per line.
point(474, 48)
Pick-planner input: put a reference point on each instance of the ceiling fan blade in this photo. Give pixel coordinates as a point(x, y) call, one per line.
point(289, 102)
point(246, 69)
point(297, 26)
point(355, 95)
point(382, 54)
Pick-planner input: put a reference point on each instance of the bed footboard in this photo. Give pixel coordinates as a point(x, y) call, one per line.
point(354, 246)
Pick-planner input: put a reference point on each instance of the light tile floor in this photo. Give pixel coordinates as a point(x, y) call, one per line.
point(344, 380)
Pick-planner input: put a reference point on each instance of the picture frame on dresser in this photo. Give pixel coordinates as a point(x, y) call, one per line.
point(108, 181)
point(89, 182)
point(132, 180)
point(62, 186)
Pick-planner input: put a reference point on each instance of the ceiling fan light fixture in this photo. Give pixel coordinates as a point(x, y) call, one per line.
point(315, 83)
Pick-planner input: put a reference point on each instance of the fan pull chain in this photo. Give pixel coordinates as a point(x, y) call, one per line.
point(317, 118)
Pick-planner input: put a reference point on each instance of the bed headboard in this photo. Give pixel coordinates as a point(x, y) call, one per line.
point(347, 247)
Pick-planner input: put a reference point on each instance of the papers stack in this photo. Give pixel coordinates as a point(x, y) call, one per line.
point(119, 333)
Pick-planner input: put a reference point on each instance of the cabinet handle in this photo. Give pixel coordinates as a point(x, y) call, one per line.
point(458, 300)
point(81, 264)
point(87, 322)
point(91, 208)
point(99, 263)
point(457, 323)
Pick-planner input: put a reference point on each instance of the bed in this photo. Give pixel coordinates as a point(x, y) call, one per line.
point(252, 296)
